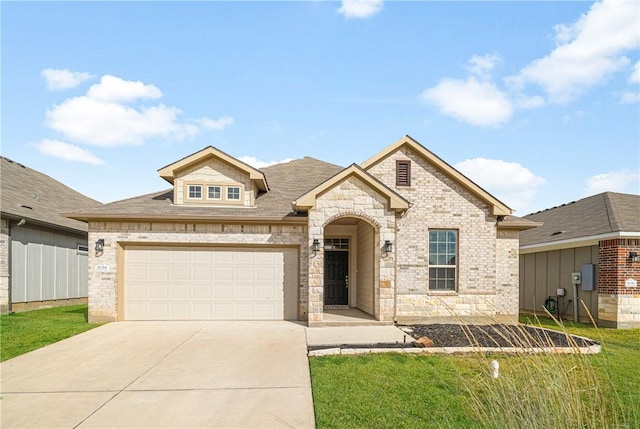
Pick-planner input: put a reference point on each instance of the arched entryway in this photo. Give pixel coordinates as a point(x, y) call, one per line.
point(350, 264)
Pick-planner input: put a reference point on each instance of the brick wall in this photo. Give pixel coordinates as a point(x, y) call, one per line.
point(618, 305)
point(615, 267)
point(440, 203)
point(103, 286)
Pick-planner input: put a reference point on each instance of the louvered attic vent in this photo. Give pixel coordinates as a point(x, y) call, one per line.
point(403, 173)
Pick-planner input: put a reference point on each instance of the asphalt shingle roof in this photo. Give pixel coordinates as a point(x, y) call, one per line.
point(34, 196)
point(287, 181)
point(599, 214)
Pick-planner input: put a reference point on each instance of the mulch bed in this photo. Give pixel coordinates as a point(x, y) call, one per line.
point(450, 335)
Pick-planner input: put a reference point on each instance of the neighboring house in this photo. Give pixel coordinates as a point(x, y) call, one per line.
point(597, 237)
point(43, 255)
point(403, 236)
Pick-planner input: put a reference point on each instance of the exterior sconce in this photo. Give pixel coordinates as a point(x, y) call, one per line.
point(99, 245)
point(316, 245)
point(388, 247)
point(634, 257)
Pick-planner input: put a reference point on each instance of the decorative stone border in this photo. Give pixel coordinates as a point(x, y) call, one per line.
point(594, 349)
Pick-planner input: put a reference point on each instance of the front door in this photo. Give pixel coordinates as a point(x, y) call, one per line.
point(336, 278)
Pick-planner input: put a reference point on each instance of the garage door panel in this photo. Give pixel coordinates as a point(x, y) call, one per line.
point(209, 284)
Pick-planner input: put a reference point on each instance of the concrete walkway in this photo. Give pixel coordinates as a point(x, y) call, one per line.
point(163, 374)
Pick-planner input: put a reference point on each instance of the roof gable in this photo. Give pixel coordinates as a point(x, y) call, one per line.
point(308, 200)
point(170, 171)
point(498, 208)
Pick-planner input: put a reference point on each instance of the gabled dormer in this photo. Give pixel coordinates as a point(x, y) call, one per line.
point(211, 177)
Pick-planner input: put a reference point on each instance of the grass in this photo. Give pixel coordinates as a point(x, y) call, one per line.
point(396, 391)
point(23, 332)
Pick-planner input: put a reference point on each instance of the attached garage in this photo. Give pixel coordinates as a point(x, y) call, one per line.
point(203, 283)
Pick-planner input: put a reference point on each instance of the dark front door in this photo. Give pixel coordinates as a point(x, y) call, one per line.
point(336, 280)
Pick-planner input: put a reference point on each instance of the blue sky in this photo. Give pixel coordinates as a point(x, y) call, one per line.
point(538, 102)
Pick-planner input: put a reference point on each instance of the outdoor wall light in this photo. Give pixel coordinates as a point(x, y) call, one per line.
point(100, 245)
point(634, 257)
point(316, 245)
point(388, 247)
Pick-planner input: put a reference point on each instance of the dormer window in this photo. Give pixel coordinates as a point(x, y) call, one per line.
point(233, 193)
point(403, 173)
point(195, 192)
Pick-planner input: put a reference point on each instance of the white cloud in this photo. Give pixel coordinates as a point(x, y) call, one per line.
point(587, 51)
point(256, 163)
point(58, 79)
point(525, 102)
point(104, 116)
point(630, 97)
point(627, 181)
point(215, 124)
point(481, 65)
point(635, 74)
point(512, 183)
point(68, 152)
point(360, 8)
point(112, 88)
point(472, 101)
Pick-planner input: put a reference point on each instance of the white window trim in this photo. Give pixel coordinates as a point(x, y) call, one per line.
point(228, 188)
point(454, 267)
point(220, 189)
point(189, 186)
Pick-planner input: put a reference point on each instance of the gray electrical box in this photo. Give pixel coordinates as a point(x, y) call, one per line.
point(576, 278)
point(588, 272)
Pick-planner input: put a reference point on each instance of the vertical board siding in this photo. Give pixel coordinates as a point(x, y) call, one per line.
point(46, 266)
point(542, 273)
point(365, 278)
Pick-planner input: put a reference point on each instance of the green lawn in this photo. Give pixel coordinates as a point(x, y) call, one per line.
point(408, 391)
point(23, 332)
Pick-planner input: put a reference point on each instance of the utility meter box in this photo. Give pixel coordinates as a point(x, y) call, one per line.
point(576, 278)
point(588, 272)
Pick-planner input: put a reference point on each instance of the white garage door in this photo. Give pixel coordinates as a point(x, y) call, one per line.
point(210, 284)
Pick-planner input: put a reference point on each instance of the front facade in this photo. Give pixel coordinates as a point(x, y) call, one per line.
point(402, 237)
point(43, 255)
point(590, 251)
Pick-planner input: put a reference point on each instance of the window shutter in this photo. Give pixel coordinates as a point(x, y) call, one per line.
point(403, 173)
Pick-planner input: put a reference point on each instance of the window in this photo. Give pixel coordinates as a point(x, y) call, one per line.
point(443, 248)
point(195, 191)
point(214, 192)
point(233, 193)
point(82, 249)
point(403, 173)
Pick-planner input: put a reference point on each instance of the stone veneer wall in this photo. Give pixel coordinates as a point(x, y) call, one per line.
point(440, 203)
point(103, 287)
point(4, 266)
point(618, 304)
point(353, 198)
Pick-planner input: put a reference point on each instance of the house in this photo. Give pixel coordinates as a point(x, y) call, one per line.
point(43, 255)
point(401, 237)
point(591, 249)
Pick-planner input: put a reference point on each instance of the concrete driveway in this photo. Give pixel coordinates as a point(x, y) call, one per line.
point(164, 374)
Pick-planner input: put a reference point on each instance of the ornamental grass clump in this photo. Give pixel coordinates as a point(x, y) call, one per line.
point(545, 389)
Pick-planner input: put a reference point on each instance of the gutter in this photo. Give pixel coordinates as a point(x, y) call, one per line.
point(576, 242)
point(295, 220)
